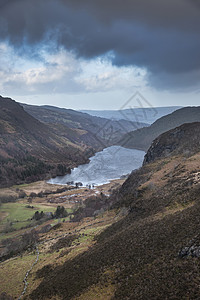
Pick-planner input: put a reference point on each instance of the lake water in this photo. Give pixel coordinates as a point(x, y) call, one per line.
point(111, 163)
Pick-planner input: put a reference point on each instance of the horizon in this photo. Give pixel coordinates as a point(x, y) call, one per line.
point(91, 108)
point(117, 110)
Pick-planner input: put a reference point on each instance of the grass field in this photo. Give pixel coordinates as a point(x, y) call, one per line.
point(19, 214)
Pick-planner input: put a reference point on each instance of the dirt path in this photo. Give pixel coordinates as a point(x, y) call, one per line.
point(28, 272)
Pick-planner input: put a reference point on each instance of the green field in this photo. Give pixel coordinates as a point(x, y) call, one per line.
point(19, 215)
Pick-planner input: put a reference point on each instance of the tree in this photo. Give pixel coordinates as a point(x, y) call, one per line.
point(38, 215)
point(60, 212)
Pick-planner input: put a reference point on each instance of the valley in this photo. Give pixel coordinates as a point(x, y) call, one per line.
point(76, 232)
point(153, 215)
point(99, 150)
point(38, 143)
point(151, 218)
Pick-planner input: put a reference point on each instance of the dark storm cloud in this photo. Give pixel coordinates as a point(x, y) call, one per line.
point(162, 36)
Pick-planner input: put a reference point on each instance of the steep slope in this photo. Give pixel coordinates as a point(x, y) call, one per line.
point(152, 252)
point(183, 140)
point(95, 131)
point(142, 138)
point(29, 150)
point(146, 115)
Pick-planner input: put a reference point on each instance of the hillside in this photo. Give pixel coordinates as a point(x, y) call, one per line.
point(99, 132)
point(183, 140)
point(142, 138)
point(146, 115)
point(42, 142)
point(30, 150)
point(151, 251)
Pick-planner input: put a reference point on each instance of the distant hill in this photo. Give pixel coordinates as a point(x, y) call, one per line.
point(144, 115)
point(96, 132)
point(142, 138)
point(184, 140)
point(30, 150)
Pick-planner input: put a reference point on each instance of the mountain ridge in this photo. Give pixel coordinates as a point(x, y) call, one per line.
point(142, 138)
point(105, 131)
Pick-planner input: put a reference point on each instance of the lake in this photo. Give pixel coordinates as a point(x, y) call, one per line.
point(111, 163)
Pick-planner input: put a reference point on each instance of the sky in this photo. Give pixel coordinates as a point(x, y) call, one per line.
point(92, 54)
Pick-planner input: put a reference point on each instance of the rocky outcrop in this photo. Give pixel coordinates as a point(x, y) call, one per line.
point(192, 249)
point(183, 140)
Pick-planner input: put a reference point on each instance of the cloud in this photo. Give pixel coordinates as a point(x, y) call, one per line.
point(62, 72)
point(162, 37)
point(54, 73)
point(99, 75)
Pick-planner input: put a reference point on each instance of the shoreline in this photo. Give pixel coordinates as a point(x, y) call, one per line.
point(111, 163)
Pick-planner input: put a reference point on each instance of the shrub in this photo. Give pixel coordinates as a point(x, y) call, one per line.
point(38, 215)
point(60, 212)
point(22, 194)
point(33, 195)
point(7, 198)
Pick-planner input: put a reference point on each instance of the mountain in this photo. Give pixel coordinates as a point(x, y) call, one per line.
point(96, 132)
point(152, 249)
point(30, 150)
point(41, 142)
point(142, 138)
point(145, 115)
point(183, 140)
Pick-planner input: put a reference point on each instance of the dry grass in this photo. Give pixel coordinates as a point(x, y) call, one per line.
point(12, 273)
point(101, 291)
point(87, 230)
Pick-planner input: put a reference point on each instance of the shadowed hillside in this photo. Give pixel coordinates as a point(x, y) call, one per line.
point(183, 140)
point(142, 138)
point(152, 252)
point(30, 150)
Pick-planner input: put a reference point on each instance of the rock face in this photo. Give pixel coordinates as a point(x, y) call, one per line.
point(181, 140)
point(192, 249)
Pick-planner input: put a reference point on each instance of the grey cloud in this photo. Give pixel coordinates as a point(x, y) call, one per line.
point(186, 82)
point(162, 36)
